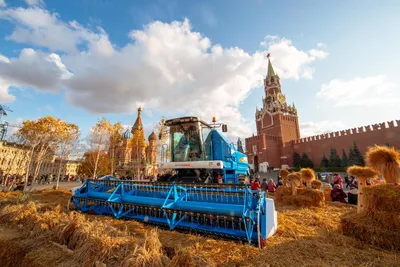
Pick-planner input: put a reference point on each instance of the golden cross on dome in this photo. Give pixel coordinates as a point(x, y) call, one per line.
point(268, 55)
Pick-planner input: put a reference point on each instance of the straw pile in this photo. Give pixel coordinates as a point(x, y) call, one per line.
point(312, 233)
point(284, 173)
point(282, 191)
point(386, 161)
point(307, 175)
point(380, 229)
point(379, 222)
point(305, 198)
point(383, 198)
point(316, 184)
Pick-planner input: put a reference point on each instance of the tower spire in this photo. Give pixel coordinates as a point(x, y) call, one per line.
point(271, 71)
point(138, 125)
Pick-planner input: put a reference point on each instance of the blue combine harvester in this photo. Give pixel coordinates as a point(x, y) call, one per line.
point(191, 199)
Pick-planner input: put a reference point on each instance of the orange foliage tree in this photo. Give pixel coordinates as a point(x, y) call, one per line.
point(43, 135)
point(87, 167)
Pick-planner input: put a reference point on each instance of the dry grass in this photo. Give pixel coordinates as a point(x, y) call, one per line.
point(306, 237)
point(383, 198)
point(386, 161)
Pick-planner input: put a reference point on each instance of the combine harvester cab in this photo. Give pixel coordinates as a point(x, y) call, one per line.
point(195, 201)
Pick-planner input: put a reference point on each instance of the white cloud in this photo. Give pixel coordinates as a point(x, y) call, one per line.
point(316, 128)
point(321, 45)
point(290, 62)
point(36, 69)
point(3, 3)
point(167, 67)
point(34, 2)
point(40, 27)
point(368, 91)
point(319, 54)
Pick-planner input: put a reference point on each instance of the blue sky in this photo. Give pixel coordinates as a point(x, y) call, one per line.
point(81, 60)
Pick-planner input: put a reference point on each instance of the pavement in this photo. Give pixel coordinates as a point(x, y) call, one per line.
point(62, 185)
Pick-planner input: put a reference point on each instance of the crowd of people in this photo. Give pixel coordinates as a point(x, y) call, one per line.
point(12, 182)
point(342, 190)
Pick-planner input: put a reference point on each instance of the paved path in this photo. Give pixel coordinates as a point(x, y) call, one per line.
point(62, 185)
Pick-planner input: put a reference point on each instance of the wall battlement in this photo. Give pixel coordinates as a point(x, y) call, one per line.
point(260, 137)
point(384, 126)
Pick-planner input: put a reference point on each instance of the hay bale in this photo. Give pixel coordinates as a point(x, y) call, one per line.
point(371, 229)
point(386, 161)
point(362, 174)
point(282, 191)
point(327, 193)
point(305, 198)
point(383, 198)
point(307, 175)
point(294, 178)
point(284, 173)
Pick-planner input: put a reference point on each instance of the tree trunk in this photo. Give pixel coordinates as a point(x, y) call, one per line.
point(112, 160)
point(96, 163)
point(58, 174)
point(28, 169)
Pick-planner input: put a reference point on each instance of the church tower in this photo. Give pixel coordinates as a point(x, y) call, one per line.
point(276, 117)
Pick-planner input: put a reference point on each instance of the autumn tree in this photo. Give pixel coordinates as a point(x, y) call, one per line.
point(42, 135)
point(68, 135)
point(163, 141)
point(99, 141)
point(90, 160)
point(115, 132)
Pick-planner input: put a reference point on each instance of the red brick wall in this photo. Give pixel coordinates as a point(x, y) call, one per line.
point(315, 146)
point(268, 149)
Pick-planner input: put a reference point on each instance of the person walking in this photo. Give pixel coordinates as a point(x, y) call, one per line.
point(271, 186)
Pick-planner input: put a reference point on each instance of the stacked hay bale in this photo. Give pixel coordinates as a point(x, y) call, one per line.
point(282, 190)
point(302, 197)
point(377, 221)
point(284, 174)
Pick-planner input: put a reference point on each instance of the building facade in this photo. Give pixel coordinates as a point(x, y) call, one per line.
point(14, 159)
point(278, 133)
point(135, 155)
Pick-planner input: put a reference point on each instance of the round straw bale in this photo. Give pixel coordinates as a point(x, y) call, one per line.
point(294, 177)
point(386, 161)
point(361, 172)
point(307, 174)
point(284, 173)
point(317, 184)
